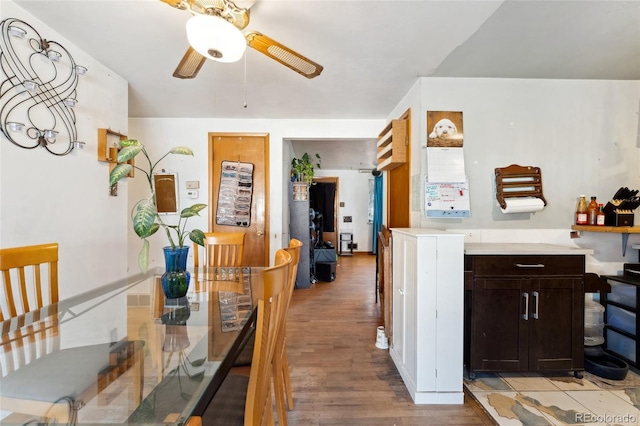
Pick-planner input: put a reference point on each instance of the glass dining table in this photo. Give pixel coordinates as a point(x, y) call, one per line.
point(123, 354)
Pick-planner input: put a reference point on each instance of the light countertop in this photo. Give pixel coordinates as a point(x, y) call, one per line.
point(426, 232)
point(522, 248)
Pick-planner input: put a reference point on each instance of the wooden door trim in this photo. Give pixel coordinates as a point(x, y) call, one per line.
point(336, 204)
point(267, 219)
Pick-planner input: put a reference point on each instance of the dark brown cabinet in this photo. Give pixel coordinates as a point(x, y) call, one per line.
point(524, 313)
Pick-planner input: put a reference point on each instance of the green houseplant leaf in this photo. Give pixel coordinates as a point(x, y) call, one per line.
point(197, 236)
point(128, 152)
point(120, 171)
point(143, 256)
point(144, 217)
point(182, 150)
point(194, 210)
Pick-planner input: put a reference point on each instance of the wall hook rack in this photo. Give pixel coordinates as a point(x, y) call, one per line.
point(518, 181)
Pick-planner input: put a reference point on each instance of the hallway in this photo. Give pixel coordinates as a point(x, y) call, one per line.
point(339, 376)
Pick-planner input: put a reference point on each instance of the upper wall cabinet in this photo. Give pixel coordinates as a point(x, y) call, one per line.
point(392, 145)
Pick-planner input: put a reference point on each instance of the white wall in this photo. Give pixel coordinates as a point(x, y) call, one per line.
point(353, 188)
point(45, 198)
point(583, 134)
point(161, 134)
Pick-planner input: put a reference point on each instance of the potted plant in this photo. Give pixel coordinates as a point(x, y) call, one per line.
point(147, 221)
point(303, 168)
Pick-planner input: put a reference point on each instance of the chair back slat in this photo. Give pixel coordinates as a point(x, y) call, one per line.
point(221, 249)
point(9, 299)
point(22, 278)
point(271, 308)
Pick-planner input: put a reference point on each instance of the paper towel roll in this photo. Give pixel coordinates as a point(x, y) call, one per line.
point(523, 205)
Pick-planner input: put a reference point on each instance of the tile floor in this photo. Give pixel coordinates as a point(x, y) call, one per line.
point(515, 399)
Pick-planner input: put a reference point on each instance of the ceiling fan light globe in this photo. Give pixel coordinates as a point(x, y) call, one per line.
point(215, 38)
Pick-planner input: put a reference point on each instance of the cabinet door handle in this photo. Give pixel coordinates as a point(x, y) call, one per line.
point(401, 291)
point(530, 265)
point(525, 315)
point(537, 296)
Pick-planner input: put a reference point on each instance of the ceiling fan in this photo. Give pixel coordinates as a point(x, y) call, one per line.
point(214, 33)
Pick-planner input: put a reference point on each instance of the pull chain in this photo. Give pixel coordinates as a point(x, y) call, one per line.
point(245, 79)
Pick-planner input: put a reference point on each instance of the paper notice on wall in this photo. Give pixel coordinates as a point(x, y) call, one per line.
point(446, 200)
point(445, 165)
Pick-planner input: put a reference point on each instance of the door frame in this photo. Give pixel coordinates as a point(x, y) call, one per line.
point(336, 203)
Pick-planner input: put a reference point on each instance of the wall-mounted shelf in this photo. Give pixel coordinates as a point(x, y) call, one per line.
point(392, 145)
point(108, 147)
point(624, 230)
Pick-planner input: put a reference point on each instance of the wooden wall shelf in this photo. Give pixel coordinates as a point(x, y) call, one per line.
point(392, 145)
point(624, 230)
point(108, 147)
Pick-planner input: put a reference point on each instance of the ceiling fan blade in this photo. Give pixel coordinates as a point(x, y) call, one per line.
point(284, 55)
point(190, 64)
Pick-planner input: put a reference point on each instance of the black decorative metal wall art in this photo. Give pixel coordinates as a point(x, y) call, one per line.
point(38, 93)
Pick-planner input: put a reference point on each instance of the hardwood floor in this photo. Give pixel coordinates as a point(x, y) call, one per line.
point(339, 377)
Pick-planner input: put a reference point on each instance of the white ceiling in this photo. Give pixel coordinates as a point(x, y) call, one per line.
point(372, 52)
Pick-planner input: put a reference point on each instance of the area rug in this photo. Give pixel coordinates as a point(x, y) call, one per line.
point(513, 399)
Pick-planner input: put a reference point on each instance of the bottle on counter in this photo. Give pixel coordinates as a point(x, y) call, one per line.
point(600, 215)
point(592, 211)
point(582, 216)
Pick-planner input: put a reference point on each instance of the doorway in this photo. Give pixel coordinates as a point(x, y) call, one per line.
point(323, 198)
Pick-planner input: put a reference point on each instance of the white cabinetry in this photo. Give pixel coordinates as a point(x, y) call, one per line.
point(428, 290)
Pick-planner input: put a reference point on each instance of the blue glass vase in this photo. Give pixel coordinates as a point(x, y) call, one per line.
point(175, 280)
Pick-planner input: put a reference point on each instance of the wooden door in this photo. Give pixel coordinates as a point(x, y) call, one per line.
point(228, 148)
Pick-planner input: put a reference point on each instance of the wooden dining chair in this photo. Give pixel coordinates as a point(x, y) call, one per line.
point(29, 282)
point(221, 249)
point(26, 286)
point(258, 399)
point(281, 377)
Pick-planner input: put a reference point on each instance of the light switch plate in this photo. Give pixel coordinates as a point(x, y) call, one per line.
point(192, 193)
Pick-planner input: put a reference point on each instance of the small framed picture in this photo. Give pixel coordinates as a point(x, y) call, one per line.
point(166, 186)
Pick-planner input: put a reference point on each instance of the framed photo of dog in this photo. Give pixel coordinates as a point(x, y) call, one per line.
point(445, 129)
